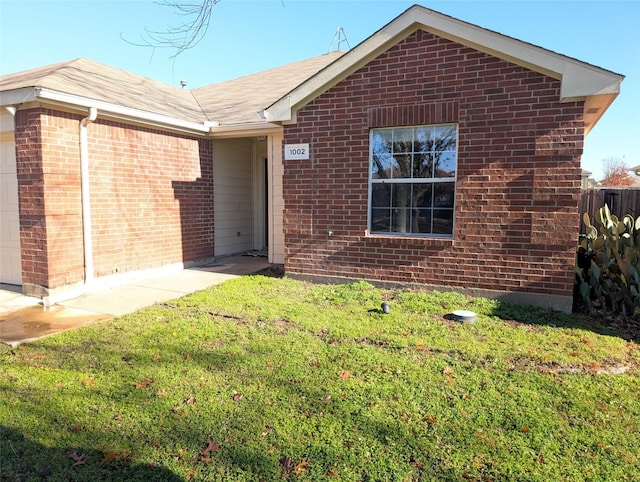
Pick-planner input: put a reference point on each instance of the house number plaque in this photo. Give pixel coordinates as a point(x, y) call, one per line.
point(293, 152)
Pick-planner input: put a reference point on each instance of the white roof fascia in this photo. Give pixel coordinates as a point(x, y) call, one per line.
point(221, 131)
point(283, 109)
point(17, 96)
point(121, 112)
point(578, 79)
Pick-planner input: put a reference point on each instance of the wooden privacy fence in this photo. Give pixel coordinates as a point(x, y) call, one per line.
point(621, 201)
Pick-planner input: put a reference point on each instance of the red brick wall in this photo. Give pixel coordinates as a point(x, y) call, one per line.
point(518, 178)
point(151, 197)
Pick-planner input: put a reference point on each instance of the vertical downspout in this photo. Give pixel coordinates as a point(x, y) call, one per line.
point(84, 188)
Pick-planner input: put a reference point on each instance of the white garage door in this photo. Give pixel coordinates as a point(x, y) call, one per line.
point(10, 262)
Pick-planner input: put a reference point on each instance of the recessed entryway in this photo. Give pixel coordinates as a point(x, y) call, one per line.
point(239, 192)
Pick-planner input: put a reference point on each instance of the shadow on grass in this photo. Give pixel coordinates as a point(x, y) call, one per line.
point(600, 323)
point(23, 459)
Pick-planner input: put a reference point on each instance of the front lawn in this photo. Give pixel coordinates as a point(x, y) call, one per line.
point(274, 379)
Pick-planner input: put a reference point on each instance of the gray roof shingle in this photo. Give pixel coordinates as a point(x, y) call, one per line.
point(235, 101)
point(238, 101)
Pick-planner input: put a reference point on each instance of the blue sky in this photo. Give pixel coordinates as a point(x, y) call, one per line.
point(250, 36)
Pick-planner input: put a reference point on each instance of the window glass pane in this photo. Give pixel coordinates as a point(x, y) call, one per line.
point(422, 195)
point(402, 166)
point(401, 196)
point(380, 195)
point(381, 160)
point(443, 194)
point(401, 220)
point(445, 138)
point(380, 220)
point(423, 141)
point(402, 140)
point(443, 221)
point(422, 221)
point(423, 165)
point(444, 164)
point(382, 166)
point(382, 141)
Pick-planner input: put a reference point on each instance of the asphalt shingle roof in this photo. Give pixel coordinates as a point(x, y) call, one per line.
point(235, 101)
point(238, 101)
point(93, 80)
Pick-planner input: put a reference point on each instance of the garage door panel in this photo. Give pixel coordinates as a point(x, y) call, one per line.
point(10, 259)
point(9, 192)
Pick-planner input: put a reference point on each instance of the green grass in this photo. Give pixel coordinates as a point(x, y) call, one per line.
point(273, 379)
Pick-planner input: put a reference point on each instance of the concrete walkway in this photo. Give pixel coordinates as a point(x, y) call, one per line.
point(24, 319)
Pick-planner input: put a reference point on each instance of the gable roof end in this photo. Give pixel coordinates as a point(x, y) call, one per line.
point(579, 80)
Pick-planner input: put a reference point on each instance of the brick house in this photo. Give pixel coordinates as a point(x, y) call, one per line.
point(434, 153)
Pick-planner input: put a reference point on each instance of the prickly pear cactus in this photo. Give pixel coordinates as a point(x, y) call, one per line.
point(608, 263)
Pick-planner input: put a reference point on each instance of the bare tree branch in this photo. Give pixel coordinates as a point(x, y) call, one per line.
point(185, 36)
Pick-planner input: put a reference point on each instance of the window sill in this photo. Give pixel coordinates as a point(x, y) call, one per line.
point(414, 240)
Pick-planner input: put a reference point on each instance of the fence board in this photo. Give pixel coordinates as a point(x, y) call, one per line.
point(621, 201)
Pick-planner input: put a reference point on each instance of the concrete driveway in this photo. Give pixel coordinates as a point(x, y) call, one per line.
point(24, 319)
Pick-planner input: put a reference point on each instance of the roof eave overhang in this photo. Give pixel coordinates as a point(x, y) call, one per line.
point(105, 109)
point(232, 131)
point(579, 81)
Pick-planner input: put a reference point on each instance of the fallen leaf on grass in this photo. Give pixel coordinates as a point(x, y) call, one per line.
point(449, 373)
point(88, 382)
point(78, 459)
point(594, 368)
point(157, 357)
point(211, 447)
point(190, 475)
point(75, 428)
point(109, 456)
point(525, 429)
point(116, 455)
point(301, 468)
point(191, 400)
point(345, 375)
point(142, 384)
point(237, 396)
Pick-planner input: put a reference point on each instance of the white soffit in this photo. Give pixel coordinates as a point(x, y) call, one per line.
point(579, 80)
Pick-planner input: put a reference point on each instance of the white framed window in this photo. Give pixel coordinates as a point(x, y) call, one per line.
point(412, 180)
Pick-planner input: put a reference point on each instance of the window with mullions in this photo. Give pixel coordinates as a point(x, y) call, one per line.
point(412, 180)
